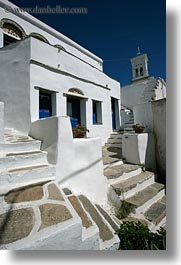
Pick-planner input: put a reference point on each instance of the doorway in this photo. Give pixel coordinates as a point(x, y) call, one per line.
point(76, 109)
point(115, 113)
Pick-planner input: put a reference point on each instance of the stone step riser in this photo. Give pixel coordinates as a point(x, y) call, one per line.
point(108, 244)
point(160, 224)
point(22, 178)
point(116, 136)
point(90, 235)
point(125, 176)
point(143, 208)
point(117, 163)
point(20, 147)
point(114, 141)
point(139, 187)
point(23, 160)
point(114, 145)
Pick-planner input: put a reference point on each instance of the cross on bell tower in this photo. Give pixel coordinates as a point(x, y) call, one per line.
point(139, 66)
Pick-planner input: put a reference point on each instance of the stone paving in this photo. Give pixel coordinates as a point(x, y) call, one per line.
point(18, 214)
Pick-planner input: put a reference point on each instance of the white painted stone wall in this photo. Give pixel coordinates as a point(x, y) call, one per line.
point(159, 125)
point(140, 149)
point(21, 86)
point(142, 91)
point(20, 91)
point(15, 85)
point(32, 25)
point(153, 116)
point(1, 121)
point(143, 114)
point(78, 161)
point(134, 148)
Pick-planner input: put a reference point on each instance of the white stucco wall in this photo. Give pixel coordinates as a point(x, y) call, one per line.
point(142, 91)
point(1, 121)
point(159, 125)
point(32, 25)
point(153, 116)
point(22, 83)
point(72, 73)
point(143, 114)
point(74, 68)
point(131, 94)
point(140, 149)
point(15, 85)
point(78, 161)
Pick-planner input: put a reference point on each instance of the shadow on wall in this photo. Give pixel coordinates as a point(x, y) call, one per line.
point(84, 169)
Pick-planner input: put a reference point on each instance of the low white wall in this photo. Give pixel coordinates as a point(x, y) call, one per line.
point(1, 121)
point(140, 149)
point(78, 161)
point(134, 148)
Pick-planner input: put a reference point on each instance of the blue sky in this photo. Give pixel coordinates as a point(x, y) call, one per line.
point(113, 30)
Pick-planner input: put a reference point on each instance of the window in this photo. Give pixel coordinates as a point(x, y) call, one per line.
point(12, 31)
point(137, 73)
point(47, 103)
point(8, 40)
point(39, 37)
point(97, 112)
point(141, 71)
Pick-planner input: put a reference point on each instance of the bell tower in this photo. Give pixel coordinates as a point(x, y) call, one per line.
point(139, 66)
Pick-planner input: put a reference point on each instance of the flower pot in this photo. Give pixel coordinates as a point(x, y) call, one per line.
point(80, 134)
point(139, 130)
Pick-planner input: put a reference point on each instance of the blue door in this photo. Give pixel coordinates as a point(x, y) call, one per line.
point(113, 113)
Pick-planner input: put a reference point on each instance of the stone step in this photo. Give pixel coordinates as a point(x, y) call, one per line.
point(21, 159)
point(143, 200)
point(20, 146)
point(156, 212)
point(90, 232)
point(114, 141)
point(21, 177)
point(130, 186)
point(116, 136)
point(108, 218)
point(108, 239)
point(128, 129)
point(116, 173)
point(114, 145)
point(130, 123)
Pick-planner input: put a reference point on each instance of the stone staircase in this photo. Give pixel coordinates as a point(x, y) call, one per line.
point(149, 91)
point(99, 227)
point(22, 162)
point(36, 214)
point(115, 140)
point(127, 117)
point(135, 195)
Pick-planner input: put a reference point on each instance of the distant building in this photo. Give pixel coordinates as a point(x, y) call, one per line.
point(142, 89)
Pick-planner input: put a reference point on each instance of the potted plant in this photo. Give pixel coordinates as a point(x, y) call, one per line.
point(138, 128)
point(79, 131)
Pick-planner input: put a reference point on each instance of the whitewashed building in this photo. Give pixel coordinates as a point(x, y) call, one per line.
point(43, 73)
point(143, 88)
